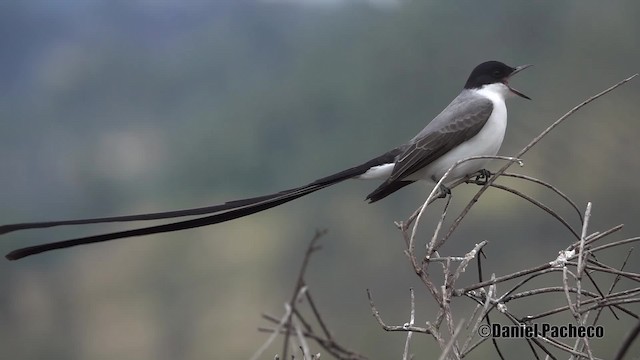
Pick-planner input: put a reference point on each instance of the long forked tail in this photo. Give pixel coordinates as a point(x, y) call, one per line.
point(219, 213)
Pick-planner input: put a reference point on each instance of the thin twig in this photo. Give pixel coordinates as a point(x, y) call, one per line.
point(282, 323)
point(613, 284)
point(538, 204)
point(450, 344)
point(405, 355)
point(386, 327)
point(581, 254)
point(548, 186)
point(299, 284)
point(316, 313)
point(462, 291)
point(626, 344)
point(616, 243)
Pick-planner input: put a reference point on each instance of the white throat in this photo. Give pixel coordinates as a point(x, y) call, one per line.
point(496, 91)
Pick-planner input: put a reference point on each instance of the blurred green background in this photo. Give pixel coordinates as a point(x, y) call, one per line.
point(118, 107)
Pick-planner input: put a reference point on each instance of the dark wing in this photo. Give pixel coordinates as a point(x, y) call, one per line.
point(453, 126)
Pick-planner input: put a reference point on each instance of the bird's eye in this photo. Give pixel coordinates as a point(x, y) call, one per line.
point(497, 73)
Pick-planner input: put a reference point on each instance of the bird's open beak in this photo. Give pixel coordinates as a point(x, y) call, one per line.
point(517, 70)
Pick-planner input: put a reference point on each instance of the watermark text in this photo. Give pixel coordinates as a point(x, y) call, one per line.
point(541, 330)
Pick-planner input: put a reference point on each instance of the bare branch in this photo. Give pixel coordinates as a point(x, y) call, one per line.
point(299, 284)
point(626, 344)
point(452, 341)
point(386, 327)
point(405, 355)
point(548, 186)
point(538, 204)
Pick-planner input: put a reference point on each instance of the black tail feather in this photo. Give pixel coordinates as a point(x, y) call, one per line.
point(138, 217)
point(332, 179)
point(182, 225)
point(221, 213)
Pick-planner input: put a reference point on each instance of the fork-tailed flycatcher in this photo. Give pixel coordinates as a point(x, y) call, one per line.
point(472, 124)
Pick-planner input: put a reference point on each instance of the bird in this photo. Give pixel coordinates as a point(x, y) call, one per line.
point(473, 124)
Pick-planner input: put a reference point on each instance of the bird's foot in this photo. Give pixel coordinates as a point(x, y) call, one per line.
point(444, 191)
point(482, 177)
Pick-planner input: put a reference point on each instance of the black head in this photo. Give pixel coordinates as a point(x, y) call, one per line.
point(492, 72)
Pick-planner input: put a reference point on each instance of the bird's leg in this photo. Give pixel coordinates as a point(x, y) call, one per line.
point(444, 191)
point(482, 177)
